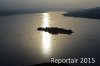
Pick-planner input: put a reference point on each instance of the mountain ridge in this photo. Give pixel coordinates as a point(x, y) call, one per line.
point(93, 13)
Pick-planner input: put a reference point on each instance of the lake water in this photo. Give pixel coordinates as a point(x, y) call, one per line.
point(22, 44)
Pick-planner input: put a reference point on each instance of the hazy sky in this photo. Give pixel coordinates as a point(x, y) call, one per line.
point(48, 4)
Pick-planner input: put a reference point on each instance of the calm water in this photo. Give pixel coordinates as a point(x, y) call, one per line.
point(22, 44)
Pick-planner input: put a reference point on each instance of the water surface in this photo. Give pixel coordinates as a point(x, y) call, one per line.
point(22, 44)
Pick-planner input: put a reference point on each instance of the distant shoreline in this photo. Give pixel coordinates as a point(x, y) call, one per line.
point(15, 12)
point(93, 13)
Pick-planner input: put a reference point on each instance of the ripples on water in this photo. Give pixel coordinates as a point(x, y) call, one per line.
point(22, 44)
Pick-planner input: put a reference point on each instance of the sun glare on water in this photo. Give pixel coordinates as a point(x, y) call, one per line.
point(46, 41)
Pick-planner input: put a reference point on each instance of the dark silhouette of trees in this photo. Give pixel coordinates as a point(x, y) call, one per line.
point(55, 30)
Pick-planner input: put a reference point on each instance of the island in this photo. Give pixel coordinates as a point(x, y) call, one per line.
point(55, 30)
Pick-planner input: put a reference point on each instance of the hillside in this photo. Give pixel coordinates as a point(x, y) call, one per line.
point(93, 13)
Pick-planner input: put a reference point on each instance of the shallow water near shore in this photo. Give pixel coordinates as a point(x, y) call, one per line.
point(22, 44)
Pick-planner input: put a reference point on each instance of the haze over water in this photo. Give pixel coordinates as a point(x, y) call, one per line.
point(22, 44)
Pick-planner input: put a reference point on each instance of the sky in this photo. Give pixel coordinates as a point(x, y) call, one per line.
point(48, 4)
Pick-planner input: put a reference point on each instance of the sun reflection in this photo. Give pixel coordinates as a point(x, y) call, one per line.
point(46, 41)
point(45, 20)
